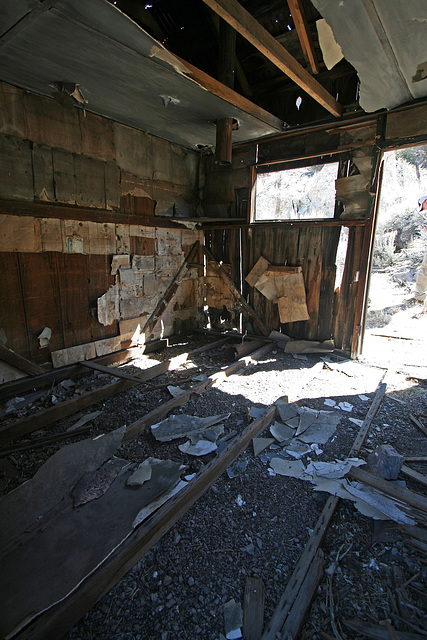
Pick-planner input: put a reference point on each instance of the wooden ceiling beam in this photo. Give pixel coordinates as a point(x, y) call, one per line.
point(298, 15)
point(245, 24)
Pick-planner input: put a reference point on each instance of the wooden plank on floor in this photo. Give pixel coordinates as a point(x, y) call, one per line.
point(253, 609)
point(19, 362)
point(116, 373)
point(401, 494)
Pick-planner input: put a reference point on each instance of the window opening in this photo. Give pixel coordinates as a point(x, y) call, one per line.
point(293, 191)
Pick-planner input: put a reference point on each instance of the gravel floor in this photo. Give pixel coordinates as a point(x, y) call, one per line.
point(256, 524)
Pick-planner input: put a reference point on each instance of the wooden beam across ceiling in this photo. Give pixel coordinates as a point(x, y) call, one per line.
point(304, 35)
point(254, 32)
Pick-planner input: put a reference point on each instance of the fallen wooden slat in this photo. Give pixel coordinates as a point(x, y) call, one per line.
point(138, 427)
point(234, 290)
point(376, 632)
point(415, 458)
point(419, 424)
point(43, 442)
point(302, 603)
point(411, 473)
point(170, 291)
point(405, 496)
point(210, 346)
point(116, 373)
point(45, 379)
point(19, 362)
point(56, 621)
point(303, 565)
point(253, 609)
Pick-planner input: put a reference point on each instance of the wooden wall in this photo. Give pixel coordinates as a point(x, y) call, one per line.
point(75, 190)
point(314, 249)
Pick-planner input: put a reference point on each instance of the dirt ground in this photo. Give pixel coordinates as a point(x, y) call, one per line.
point(257, 523)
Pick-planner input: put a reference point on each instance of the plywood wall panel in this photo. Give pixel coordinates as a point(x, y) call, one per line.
point(12, 313)
point(41, 300)
point(73, 278)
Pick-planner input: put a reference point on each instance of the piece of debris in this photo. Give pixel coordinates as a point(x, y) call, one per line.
point(201, 448)
point(260, 444)
point(385, 462)
point(44, 337)
point(233, 619)
point(286, 409)
point(175, 391)
point(345, 406)
point(94, 484)
point(329, 402)
point(237, 468)
point(297, 449)
point(67, 384)
point(322, 428)
point(307, 418)
point(84, 420)
point(182, 426)
point(255, 412)
point(363, 397)
point(356, 421)
point(289, 468)
point(281, 432)
point(337, 469)
point(141, 474)
point(239, 501)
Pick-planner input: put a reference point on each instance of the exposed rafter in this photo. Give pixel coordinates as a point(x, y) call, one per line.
point(254, 32)
point(304, 35)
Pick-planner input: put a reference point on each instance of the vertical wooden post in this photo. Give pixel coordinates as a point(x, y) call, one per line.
point(226, 63)
point(223, 148)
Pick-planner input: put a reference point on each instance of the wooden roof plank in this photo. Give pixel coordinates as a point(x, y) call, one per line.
point(304, 35)
point(254, 32)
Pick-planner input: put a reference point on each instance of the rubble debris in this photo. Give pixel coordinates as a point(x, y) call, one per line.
point(337, 469)
point(384, 505)
point(158, 502)
point(95, 483)
point(345, 406)
point(297, 449)
point(281, 432)
point(237, 468)
point(182, 426)
point(233, 619)
point(175, 391)
point(363, 398)
point(329, 402)
point(322, 428)
point(307, 418)
point(385, 462)
point(289, 468)
point(257, 270)
point(84, 420)
point(200, 448)
point(286, 409)
point(141, 474)
point(260, 444)
point(44, 337)
point(255, 412)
